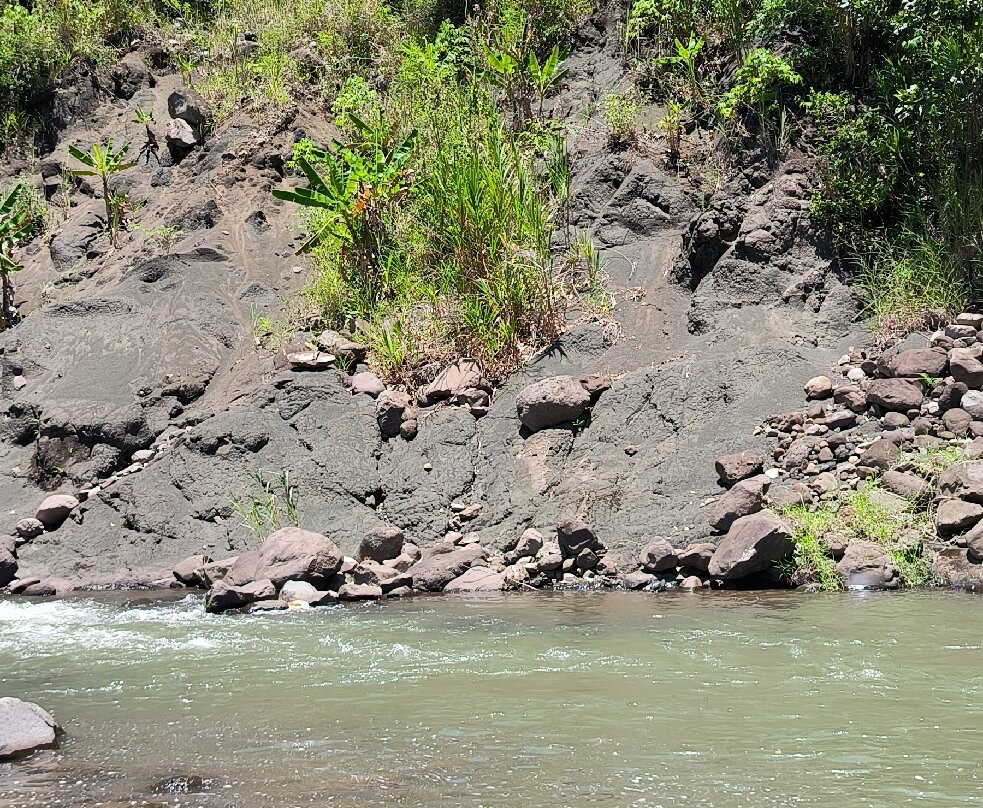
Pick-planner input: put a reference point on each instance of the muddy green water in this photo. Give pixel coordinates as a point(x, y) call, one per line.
point(541, 700)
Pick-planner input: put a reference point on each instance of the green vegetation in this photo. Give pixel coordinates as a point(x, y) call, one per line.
point(273, 506)
point(888, 92)
point(14, 223)
point(431, 225)
point(103, 161)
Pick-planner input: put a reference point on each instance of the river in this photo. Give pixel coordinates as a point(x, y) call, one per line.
point(514, 701)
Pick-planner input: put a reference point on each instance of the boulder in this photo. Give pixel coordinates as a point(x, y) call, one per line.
point(289, 554)
point(819, 387)
point(916, 362)
point(25, 728)
point(868, 565)
point(691, 582)
point(368, 383)
point(974, 543)
point(910, 486)
point(658, 556)
point(898, 395)
point(529, 544)
point(637, 580)
point(223, 596)
point(957, 421)
point(696, 556)
point(745, 498)
point(851, 396)
point(881, 454)
point(477, 579)
point(551, 402)
point(442, 564)
point(189, 571)
point(179, 134)
point(307, 359)
point(787, 496)
point(952, 395)
point(217, 570)
point(753, 544)
point(186, 105)
point(8, 566)
point(733, 468)
point(299, 591)
point(360, 592)
point(376, 574)
point(47, 587)
point(971, 402)
point(381, 544)
point(575, 536)
point(393, 408)
point(953, 516)
point(29, 528)
point(966, 369)
point(963, 480)
point(55, 510)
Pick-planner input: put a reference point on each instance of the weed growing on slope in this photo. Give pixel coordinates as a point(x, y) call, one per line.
point(273, 505)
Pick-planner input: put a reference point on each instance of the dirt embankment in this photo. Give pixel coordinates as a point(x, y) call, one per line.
point(135, 378)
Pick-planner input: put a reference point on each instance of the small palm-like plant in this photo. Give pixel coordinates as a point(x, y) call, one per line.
point(14, 223)
point(547, 75)
point(362, 185)
point(104, 162)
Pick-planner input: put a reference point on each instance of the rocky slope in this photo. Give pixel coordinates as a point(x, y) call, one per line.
point(134, 383)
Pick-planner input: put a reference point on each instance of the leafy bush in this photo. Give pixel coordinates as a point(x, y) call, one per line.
point(620, 111)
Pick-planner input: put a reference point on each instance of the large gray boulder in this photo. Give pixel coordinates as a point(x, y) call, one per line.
point(551, 402)
point(55, 510)
point(868, 565)
point(753, 544)
point(658, 556)
point(25, 728)
point(575, 536)
point(477, 579)
point(8, 566)
point(186, 105)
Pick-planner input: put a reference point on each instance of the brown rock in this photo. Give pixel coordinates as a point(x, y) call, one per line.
point(868, 565)
point(916, 362)
point(733, 468)
point(909, 486)
point(442, 564)
point(189, 571)
point(745, 498)
point(953, 516)
point(658, 556)
point(753, 544)
point(899, 395)
point(477, 579)
point(575, 536)
point(382, 543)
point(963, 480)
point(696, 556)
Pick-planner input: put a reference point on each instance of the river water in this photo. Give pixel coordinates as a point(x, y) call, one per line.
point(616, 699)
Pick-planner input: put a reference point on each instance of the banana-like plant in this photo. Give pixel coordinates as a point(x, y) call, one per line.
point(103, 162)
point(547, 75)
point(361, 185)
point(13, 224)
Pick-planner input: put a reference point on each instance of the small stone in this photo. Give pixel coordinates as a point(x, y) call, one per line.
point(29, 528)
point(19, 382)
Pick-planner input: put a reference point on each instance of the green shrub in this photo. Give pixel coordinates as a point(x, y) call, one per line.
point(620, 112)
